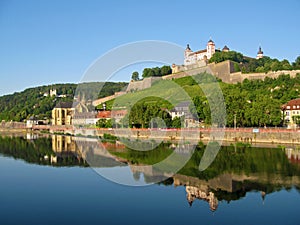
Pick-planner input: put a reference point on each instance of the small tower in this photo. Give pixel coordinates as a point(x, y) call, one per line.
point(260, 53)
point(187, 58)
point(210, 48)
point(225, 49)
point(187, 51)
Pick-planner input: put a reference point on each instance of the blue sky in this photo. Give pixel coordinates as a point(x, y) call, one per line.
point(45, 42)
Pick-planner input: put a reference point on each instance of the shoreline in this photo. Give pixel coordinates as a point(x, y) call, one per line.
point(263, 139)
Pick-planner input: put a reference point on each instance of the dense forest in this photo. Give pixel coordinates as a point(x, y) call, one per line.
point(38, 102)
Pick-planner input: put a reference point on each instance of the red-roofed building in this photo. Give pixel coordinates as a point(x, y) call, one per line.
point(291, 112)
point(104, 115)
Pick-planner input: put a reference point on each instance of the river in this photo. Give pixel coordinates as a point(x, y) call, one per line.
point(55, 180)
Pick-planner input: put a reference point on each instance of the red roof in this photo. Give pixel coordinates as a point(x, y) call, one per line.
point(292, 103)
point(104, 114)
point(118, 113)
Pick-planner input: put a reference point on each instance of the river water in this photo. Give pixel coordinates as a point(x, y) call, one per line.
point(49, 181)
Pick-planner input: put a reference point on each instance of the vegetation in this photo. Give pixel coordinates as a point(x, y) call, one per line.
point(36, 150)
point(135, 76)
point(156, 71)
point(254, 103)
point(260, 163)
point(142, 115)
point(250, 65)
point(32, 101)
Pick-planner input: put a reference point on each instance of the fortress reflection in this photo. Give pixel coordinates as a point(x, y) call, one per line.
point(262, 170)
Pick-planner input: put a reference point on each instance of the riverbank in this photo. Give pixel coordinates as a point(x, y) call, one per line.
point(192, 135)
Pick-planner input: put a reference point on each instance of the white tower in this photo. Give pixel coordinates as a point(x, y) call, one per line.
point(211, 49)
point(260, 53)
point(187, 58)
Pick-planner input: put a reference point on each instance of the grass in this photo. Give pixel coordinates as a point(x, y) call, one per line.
point(166, 93)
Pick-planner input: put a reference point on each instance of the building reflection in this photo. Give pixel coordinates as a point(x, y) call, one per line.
point(293, 154)
point(225, 186)
point(196, 193)
point(88, 151)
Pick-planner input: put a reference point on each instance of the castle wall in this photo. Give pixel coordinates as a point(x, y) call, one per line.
point(142, 84)
point(222, 70)
point(225, 72)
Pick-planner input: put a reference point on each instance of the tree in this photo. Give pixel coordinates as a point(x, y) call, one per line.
point(135, 76)
point(147, 72)
point(296, 120)
point(296, 64)
point(165, 70)
point(177, 122)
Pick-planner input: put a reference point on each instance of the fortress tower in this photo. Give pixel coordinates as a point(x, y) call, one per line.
point(210, 48)
point(260, 53)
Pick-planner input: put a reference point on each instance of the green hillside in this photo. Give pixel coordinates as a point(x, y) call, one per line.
point(21, 105)
point(253, 103)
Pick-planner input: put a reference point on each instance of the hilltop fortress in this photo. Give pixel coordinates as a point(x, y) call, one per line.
point(196, 62)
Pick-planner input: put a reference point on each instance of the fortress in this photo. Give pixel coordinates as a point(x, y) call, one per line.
point(198, 62)
point(200, 58)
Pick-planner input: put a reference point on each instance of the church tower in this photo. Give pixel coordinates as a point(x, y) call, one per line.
point(260, 53)
point(210, 48)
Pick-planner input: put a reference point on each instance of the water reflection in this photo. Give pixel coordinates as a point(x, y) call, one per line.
point(235, 171)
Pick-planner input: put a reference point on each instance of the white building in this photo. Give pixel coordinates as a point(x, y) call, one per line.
point(291, 112)
point(183, 109)
point(191, 57)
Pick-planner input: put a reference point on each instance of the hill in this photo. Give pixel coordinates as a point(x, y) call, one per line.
point(252, 103)
point(38, 101)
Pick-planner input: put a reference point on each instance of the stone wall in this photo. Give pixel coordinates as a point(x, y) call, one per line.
point(142, 84)
point(271, 136)
point(108, 98)
point(225, 71)
point(239, 77)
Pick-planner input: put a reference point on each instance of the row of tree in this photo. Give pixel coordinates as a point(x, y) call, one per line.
point(152, 72)
point(254, 103)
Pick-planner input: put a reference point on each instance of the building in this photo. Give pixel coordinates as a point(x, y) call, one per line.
point(31, 121)
point(117, 115)
point(63, 113)
point(260, 53)
point(191, 57)
point(85, 118)
point(291, 113)
point(183, 109)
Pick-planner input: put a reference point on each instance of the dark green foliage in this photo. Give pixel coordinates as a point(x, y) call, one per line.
point(143, 115)
point(109, 137)
point(250, 65)
point(104, 123)
point(135, 76)
point(254, 103)
point(156, 71)
point(222, 56)
point(21, 105)
point(178, 122)
point(34, 151)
